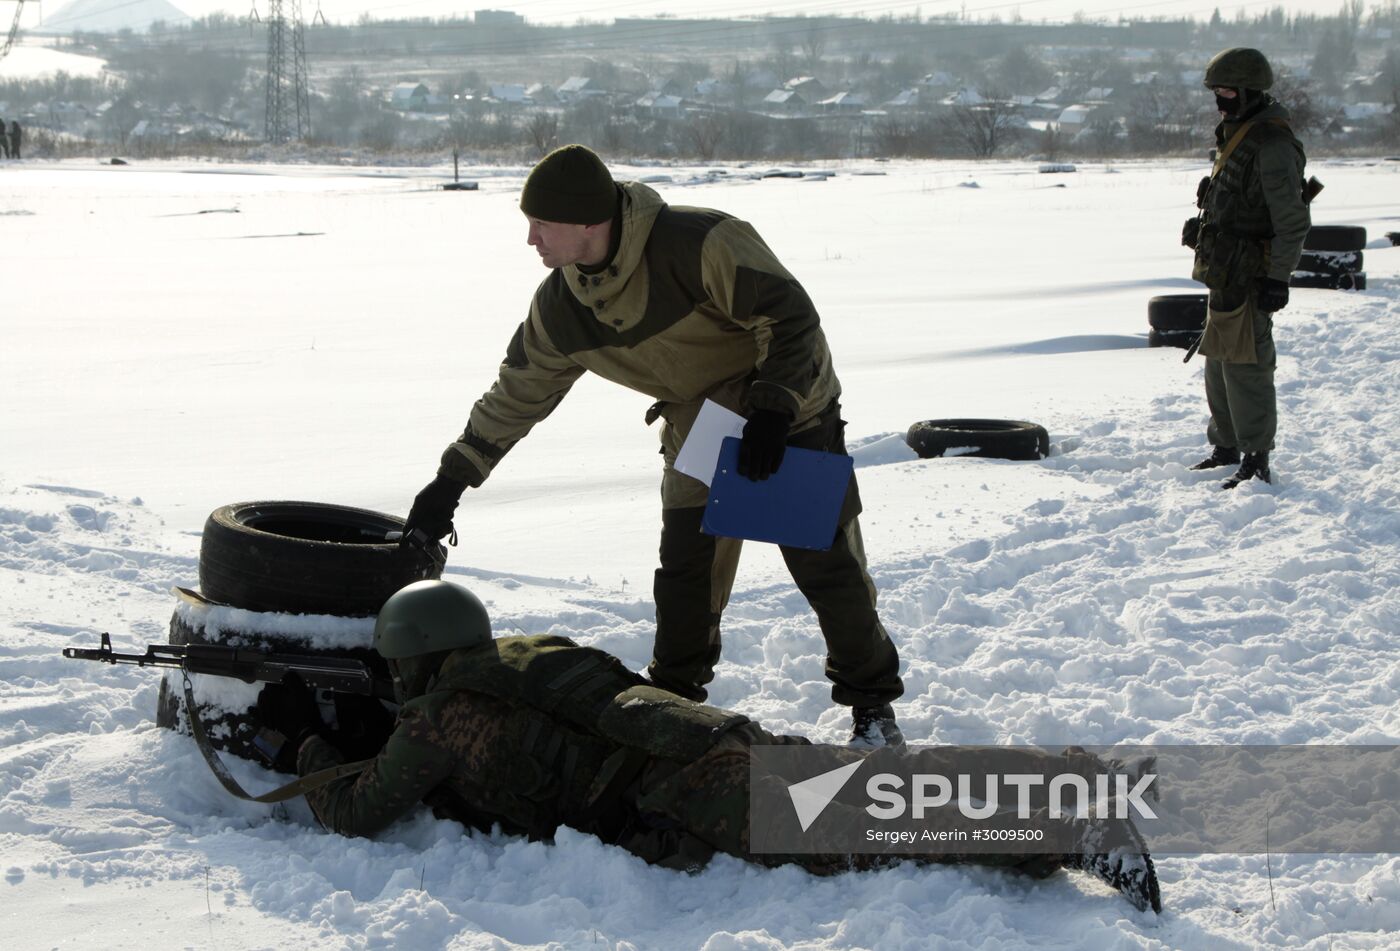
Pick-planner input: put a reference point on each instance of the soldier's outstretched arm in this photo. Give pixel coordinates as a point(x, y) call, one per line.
point(411, 764)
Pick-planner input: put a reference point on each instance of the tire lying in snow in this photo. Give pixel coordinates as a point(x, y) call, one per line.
point(358, 725)
point(986, 438)
point(308, 558)
point(1345, 281)
point(1330, 262)
point(1177, 313)
point(1335, 238)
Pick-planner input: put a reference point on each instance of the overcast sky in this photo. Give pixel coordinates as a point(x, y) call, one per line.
point(568, 11)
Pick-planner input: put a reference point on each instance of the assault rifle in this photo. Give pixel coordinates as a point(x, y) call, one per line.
point(250, 666)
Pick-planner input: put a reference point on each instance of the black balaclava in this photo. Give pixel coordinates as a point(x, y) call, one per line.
point(1246, 101)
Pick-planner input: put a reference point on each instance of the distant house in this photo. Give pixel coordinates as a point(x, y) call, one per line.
point(905, 99)
point(712, 88)
point(784, 101)
point(809, 87)
point(1076, 117)
point(843, 103)
point(965, 96)
point(1098, 94)
point(659, 105)
point(577, 88)
point(512, 94)
point(410, 97)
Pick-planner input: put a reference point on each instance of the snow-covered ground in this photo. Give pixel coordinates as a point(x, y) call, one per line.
point(178, 337)
point(33, 59)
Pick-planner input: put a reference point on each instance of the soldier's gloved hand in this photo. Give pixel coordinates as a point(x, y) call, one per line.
point(290, 709)
point(764, 443)
point(432, 509)
point(1191, 233)
point(1272, 295)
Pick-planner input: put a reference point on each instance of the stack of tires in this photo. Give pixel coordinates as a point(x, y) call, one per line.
point(1176, 320)
point(1332, 258)
point(292, 578)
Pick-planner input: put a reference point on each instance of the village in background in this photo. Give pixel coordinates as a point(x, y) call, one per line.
point(492, 87)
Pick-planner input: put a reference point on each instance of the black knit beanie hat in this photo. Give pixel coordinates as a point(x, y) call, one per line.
point(570, 185)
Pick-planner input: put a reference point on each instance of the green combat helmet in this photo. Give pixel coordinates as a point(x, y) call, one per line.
point(1239, 68)
point(420, 624)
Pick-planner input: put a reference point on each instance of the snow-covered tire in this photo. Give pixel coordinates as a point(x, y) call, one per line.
point(361, 723)
point(308, 558)
point(1335, 238)
point(1177, 313)
point(1330, 262)
point(1345, 281)
point(986, 438)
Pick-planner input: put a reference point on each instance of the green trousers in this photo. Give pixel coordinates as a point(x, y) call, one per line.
point(1243, 407)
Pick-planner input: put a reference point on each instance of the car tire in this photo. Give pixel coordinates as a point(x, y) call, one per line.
point(984, 438)
point(1335, 238)
point(1345, 281)
point(308, 558)
point(1330, 262)
point(1177, 313)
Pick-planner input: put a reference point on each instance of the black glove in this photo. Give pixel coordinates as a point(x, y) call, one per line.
point(290, 709)
point(433, 507)
point(1191, 233)
point(1272, 295)
point(765, 441)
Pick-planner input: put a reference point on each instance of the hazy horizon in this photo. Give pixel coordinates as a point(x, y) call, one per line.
point(562, 11)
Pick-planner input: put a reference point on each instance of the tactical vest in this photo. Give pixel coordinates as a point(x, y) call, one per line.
point(589, 690)
point(1232, 250)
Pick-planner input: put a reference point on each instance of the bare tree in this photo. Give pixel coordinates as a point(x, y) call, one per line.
point(704, 132)
point(984, 126)
point(813, 45)
point(542, 132)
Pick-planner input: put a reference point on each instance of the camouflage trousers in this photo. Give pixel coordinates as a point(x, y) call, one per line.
point(1243, 407)
point(682, 814)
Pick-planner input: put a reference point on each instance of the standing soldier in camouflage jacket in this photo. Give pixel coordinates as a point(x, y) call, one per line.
point(1247, 240)
point(684, 305)
point(531, 733)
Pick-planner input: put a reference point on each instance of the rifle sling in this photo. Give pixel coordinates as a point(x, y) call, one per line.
point(1237, 138)
point(298, 787)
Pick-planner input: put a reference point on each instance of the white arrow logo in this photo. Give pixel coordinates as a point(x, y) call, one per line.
point(811, 796)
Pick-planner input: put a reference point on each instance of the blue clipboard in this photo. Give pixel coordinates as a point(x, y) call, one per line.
point(797, 506)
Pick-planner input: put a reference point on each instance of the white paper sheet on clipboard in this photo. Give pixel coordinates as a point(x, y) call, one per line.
point(700, 452)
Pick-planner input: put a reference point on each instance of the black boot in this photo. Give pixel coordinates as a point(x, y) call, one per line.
point(1254, 466)
point(1220, 456)
point(1116, 854)
point(875, 726)
point(1131, 874)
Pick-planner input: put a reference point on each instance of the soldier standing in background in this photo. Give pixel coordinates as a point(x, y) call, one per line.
point(4, 140)
point(1247, 239)
point(16, 136)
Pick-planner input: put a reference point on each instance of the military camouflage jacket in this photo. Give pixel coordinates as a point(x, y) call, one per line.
point(461, 752)
point(692, 306)
point(1258, 194)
